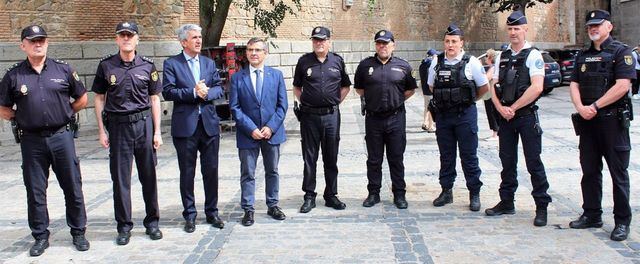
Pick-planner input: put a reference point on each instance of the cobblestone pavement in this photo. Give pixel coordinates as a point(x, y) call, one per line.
point(381, 234)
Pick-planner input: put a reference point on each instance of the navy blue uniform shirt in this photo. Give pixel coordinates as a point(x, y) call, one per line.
point(384, 84)
point(622, 69)
point(127, 85)
point(320, 81)
point(43, 100)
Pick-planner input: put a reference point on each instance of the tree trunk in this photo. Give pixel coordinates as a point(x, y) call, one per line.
point(213, 15)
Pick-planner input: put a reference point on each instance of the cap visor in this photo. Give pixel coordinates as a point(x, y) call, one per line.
point(319, 36)
point(35, 36)
point(383, 40)
point(595, 22)
point(126, 30)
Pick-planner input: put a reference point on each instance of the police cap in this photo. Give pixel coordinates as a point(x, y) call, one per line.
point(130, 27)
point(431, 52)
point(320, 33)
point(32, 32)
point(516, 18)
point(454, 30)
point(383, 36)
point(596, 17)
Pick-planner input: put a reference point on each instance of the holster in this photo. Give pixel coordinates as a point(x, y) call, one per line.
point(105, 120)
point(74, 125)
point(578, 122)
point(433, 109)
point(17, 133)
point(363, 106)
point(296, 110)
point(625, 118)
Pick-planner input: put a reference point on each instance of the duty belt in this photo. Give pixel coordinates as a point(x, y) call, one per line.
point(603, 113)
point(387, 113)
point(128, 118)
point(525, 112)
point(318, 110)
point(45, 132)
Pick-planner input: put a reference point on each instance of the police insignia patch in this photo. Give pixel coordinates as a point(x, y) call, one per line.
point(583, 68)
point(317, 30)
point(35, 29)
point(382, 33)
point(75, 76)
point(539, 64)
point(24, 89)
point(309, 72)
point(370, 70)
point(154, 76)
point(112, 79)
point(628, 60)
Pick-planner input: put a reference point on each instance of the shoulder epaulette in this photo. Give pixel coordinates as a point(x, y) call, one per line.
point(107, 57)
point(338, 55)
point(59, 61)
point(401, 59)
point(146, 59)
point(13, 66)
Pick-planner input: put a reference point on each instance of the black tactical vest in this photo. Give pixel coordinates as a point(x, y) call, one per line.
point(451, 88)
point(596, 74)
point(514, 76)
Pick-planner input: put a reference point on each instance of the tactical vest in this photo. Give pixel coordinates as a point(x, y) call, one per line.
point(514, 76)
point(451, 87)
point(596, 74)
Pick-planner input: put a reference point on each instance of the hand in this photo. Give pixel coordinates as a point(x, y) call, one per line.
point(8, 115)
point(506, 112)
point(103, 139)
point(202, 90)
point(257, 134)
point(266, 131)
point(157, 141)
point(587, 112)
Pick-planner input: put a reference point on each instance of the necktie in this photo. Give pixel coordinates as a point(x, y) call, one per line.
point(195, 69)
point(258, 85)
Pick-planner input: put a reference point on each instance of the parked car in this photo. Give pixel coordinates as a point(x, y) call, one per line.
point(566, 59)
point(552, 75)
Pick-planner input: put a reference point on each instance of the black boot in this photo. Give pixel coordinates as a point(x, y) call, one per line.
point(445, 197)
point(474, 202)
point(503, 207)
point(541, 216)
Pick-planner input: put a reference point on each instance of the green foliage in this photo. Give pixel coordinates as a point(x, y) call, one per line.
point(268, 20)
point(509, 5)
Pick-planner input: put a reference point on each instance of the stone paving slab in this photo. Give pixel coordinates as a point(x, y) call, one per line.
point(381, 234)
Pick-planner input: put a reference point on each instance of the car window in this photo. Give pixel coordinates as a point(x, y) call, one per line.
point(547, 58)
point(568, 54)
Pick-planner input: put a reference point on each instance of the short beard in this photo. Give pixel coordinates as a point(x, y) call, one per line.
point(594, 37)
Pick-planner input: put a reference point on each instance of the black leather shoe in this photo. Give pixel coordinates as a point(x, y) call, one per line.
point(400, 202)
point(276, 213)
point(371, 200)
point(81, 243)
point(586, 222)
point(503, 207)
point(620, 232)
point(335, 203)
point(474, 202)
point(154, 233)
point(541, 217)
point(38, 247)
point(307, 205)
point(123, 238)
point(189, 226)
point(215, 221)
point(445, 197)
point(247, 219)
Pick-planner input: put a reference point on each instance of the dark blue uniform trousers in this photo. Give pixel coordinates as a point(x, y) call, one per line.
point(57, 151)
point(248, 161)
point(389, 132)
point(508, 132)
point(459, 129)
point(604, 136)
point(320, 131)
point(187, 150)
point(129, 140)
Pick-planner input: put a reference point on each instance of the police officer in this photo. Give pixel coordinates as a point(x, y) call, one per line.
point(423, 70)
point(457, 81)
point(41, 89)
point(320, 82)
point(599, 91)
point(518, 80)
point(385, 82)
point(127, 88)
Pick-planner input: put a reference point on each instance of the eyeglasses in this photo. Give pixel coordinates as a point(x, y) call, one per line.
point(254, 50)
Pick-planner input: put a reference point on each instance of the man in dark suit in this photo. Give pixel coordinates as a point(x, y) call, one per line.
point(191, 81)
point(258, 101)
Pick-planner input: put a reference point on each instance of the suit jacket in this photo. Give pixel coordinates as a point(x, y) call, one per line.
point(251, 113)
point(178, 86)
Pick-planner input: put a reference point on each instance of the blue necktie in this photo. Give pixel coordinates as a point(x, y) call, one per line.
point(258, 85)
point(195, 69)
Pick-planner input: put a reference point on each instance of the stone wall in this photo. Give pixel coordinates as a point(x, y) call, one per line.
point(626, 21)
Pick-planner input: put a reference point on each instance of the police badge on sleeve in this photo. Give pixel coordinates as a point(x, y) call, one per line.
point(628, 60)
